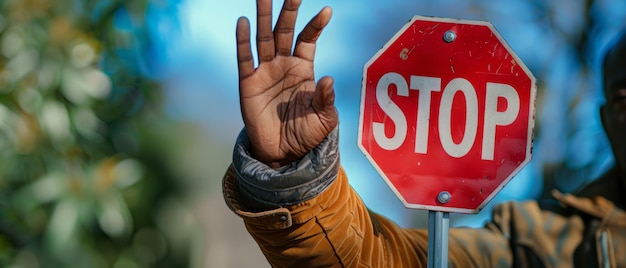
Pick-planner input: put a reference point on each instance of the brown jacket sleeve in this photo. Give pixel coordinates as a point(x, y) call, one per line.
point(335, 229)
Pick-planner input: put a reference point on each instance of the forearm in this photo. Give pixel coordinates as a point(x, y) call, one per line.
point(307, 214)
point(334, 228)
point(264, 188)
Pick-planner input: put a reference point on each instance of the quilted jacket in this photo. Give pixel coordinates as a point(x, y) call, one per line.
point(307, 215)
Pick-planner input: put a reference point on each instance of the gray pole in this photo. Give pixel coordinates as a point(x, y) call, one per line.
point(438, 229)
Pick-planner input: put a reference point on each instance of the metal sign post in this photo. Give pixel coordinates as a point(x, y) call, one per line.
point(438, 230)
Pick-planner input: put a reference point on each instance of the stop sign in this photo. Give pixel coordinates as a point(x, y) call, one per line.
point(447, 114)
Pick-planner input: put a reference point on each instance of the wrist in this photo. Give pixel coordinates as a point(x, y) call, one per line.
point(263, 186)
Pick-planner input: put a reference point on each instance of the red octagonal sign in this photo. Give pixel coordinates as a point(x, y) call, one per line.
point(447, 114)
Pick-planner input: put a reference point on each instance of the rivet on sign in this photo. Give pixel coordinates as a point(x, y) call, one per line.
point(283, 218)
point(449, 36)
point(444, 197)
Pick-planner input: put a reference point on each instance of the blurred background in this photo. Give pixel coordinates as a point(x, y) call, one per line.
point(117, 119)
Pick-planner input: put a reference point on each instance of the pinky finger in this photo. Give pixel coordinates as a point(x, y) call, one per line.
point(245, 62)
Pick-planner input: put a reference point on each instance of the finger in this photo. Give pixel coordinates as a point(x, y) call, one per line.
point(283, 33)
point(264, 37)
point(245, 62)
point(324, 97)
point(305, 45)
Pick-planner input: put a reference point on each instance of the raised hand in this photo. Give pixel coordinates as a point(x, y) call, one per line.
point(285, 112)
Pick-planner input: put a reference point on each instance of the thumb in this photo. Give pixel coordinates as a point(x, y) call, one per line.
point(324, 97)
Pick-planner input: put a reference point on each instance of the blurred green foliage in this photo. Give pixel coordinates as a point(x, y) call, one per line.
point(82, 176)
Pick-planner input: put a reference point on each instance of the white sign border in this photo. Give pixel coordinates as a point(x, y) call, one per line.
point(531, 115)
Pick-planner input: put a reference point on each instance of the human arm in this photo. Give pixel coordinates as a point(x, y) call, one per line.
point(286, 181)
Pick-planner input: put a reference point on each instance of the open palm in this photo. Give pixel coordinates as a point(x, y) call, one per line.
point(285, 111)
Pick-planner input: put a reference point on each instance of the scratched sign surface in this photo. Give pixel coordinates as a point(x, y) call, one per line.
point(447, 108)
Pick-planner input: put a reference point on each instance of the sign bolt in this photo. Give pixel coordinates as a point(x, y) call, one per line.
point(449, 36)
point(444, 197)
